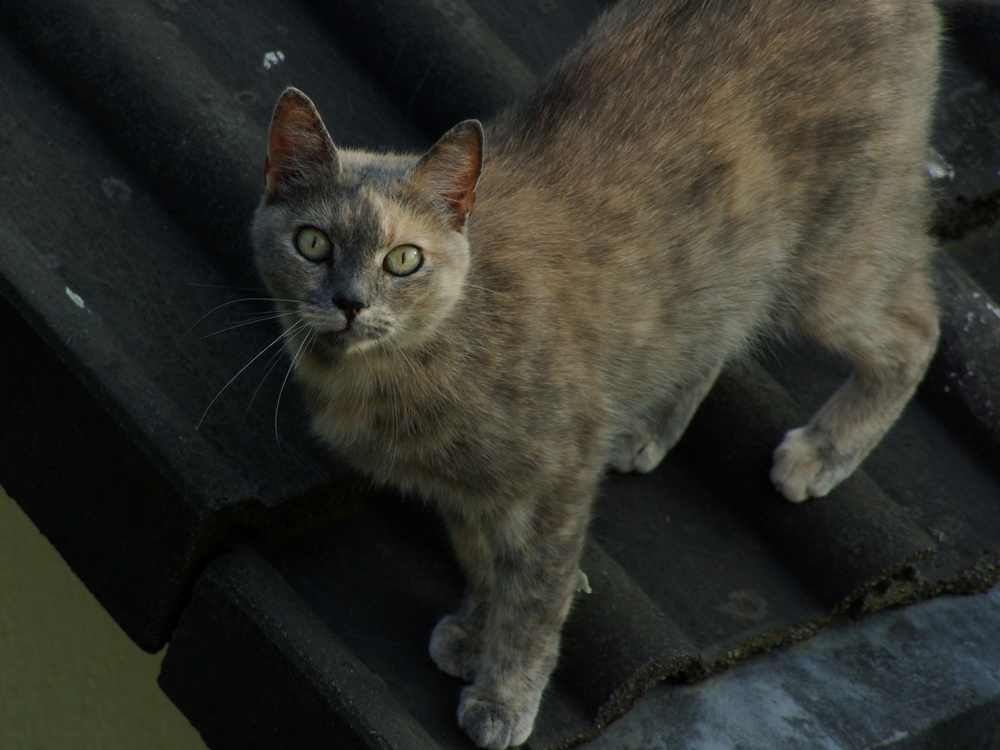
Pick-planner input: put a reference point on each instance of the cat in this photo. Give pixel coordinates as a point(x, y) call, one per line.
point(490, 324)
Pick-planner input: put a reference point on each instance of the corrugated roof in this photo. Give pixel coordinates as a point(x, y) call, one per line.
point(132, 140)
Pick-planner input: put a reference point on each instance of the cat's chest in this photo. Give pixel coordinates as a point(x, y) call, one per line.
point(374, 411)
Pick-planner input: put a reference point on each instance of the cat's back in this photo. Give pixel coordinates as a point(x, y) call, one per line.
point(737, 118)
point(651, 198)
point(666, 64)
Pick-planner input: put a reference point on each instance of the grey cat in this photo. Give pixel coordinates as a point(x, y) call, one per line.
point(490, 324)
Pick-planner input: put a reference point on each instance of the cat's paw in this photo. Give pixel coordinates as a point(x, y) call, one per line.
point(492, 724)
point(803, 468)
point(634, 454)
point(454, 649)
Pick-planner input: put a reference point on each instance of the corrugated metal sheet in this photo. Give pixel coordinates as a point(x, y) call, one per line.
point(131, 141)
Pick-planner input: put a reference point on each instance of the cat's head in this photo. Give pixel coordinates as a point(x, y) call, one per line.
point(363, 249)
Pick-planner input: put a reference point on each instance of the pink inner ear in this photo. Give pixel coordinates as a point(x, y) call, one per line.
point(451, 170)
point(297, 141)
point(461, 193)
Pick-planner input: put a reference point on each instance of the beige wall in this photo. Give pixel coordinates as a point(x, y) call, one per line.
point(69, 677)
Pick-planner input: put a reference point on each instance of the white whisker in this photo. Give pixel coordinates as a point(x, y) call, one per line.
point(271, 364)
point(256, 290)
point(292, 365)
point(277, 340)
point(237, 301)
point(260, 318)
point(487, 289)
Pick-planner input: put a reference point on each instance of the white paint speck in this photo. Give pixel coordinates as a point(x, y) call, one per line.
point(897, 735)
point(75, 298)
point(993, 309)
point(274, 58)
point(116, 189)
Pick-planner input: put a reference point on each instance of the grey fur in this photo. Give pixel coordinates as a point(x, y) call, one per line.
point(694, 174)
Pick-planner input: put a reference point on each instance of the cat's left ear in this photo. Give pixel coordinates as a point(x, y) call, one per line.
point(450, 170)
point(297, 143)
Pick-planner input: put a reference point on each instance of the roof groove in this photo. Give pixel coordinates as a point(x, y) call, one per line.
point(444, 64)
point(964, 371)
point(693, 567)
point(147, 93)
point(851, 537)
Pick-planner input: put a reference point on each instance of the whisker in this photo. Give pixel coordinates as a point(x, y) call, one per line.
point(258, 290)
point(271, 364)
point(487, 289)
point(260, 318)
point(257, 313)
point(237, 301)
point(278, 339)
point(295, 360)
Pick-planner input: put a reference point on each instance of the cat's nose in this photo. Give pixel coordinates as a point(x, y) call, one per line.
point(349, 307)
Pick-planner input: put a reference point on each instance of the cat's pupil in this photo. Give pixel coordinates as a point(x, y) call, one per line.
point(313, 244)
point(403, 260)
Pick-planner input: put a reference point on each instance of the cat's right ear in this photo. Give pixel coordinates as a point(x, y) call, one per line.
point(297, 144)
point(450, 171)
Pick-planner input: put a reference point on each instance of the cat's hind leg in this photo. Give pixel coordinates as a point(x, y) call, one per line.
point(646, 443)
point(888, 329)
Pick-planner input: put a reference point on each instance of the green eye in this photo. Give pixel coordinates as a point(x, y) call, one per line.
point(404, 260)
point(313, 244)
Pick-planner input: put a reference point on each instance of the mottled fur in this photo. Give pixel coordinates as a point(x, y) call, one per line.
point(692, 175)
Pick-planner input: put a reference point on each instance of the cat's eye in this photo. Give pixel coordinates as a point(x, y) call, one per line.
point(404, 260)
point(313, 244)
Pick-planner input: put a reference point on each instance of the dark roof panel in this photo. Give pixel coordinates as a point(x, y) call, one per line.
point(132, 147)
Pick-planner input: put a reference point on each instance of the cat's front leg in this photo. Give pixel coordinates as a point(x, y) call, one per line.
point(534, 574)
point(520, 649)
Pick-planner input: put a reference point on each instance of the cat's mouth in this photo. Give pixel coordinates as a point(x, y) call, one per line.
point(352, 336)
point(336, 333)
point(339, 339)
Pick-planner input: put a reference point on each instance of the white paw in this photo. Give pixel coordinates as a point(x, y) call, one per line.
point(454, 650)
point(490, 723)
point(798, 472)
point(642, 460)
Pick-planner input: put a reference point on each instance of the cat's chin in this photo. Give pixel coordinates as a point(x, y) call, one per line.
point(344, 342)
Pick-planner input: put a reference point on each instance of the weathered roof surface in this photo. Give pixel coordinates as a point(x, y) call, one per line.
point(131, 141)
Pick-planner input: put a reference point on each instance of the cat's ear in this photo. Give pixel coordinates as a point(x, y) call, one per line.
point(297, 143)
point(450, 170)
